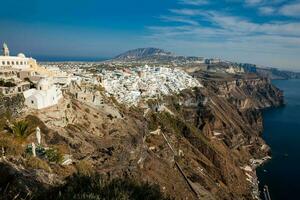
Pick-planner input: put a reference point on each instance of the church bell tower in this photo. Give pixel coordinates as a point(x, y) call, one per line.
point(5, 50)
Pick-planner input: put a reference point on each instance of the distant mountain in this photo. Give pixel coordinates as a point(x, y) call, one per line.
point(160, 56)
point(155, 56)
point(143, 53)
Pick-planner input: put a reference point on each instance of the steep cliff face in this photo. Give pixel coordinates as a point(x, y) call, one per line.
point(220, 136)
point(218, 129)
point(254, 93)
point(200, 144)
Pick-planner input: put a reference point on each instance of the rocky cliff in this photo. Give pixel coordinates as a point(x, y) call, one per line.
point(200, 144)
point(11, 104)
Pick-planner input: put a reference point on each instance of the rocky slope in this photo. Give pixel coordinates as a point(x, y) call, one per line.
point(273, 73)
point(201, 144)
point(268, 72)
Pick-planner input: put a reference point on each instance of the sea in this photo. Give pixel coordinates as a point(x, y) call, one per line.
point(282, 132)
point(69, 59)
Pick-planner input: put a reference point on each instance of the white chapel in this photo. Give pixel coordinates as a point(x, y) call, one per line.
point(47, 94)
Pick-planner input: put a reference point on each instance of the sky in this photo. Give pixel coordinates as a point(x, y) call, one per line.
point(263, 32)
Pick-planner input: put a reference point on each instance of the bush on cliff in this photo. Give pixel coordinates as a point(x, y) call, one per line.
point(19, 129)
point(97, 187)
point(37, 163)
point(10, 146)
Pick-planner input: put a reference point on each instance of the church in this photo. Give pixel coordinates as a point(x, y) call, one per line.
point(20, 61)
point(18, 70)
point(47, 94)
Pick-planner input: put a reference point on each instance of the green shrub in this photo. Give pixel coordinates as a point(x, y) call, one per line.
point(19, 129)
point(53, 155)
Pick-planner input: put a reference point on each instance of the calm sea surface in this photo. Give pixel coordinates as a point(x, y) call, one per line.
point(282, 133)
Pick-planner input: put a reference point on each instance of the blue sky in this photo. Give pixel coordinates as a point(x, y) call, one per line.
point(264, 32)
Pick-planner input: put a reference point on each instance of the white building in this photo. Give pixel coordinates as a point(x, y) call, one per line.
point(212, 61)
point(47, 94)
point(145, 83)
point(17, 62)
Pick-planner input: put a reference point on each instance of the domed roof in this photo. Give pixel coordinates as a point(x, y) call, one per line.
point(21, 55)
point(43, 81)
point(5, 46)
point(43, 84)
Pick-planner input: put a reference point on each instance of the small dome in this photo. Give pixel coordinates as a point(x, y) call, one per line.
point(21, 55)
point(43, 84)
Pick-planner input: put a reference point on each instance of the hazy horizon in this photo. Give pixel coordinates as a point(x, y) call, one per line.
point(58, 58)
point(261, 32)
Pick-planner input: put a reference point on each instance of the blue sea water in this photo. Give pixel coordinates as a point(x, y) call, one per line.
point(282, 133)
point(68, 59)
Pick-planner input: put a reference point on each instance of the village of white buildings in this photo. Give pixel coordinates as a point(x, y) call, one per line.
point(44, 85)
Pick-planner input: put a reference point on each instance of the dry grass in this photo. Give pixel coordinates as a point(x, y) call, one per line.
point(36, 163)
point(62, 149)
point(11, 145)
point(84, 167)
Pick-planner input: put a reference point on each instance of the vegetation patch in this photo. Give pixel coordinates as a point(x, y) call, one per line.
point(19, 129)
point(37, 163)
point(97, 187)
point(84, 167)
point(50, 154)
point(10, 145)
point(4, 83)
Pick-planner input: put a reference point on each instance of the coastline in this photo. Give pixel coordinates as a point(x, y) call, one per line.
point(261, 162)
point(257, 163)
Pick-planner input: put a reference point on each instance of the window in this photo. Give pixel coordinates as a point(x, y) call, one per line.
point(21, 62)
point(32, 102)
point(3, 62)
point(8, 63)
point(17, 63)
point(12, 62)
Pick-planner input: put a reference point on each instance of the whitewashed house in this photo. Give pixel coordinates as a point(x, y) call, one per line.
point(47, 94)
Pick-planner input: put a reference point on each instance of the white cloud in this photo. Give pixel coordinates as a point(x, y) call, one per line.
point(292, 10)
point(266, 10)
point(179, 19)
point(235, 38)
point(259, 3)
point(253, 2)
point(194, 2)
point(236, 24)
point(190, 12)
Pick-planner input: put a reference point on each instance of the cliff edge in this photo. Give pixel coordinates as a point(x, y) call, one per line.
point(203, 143)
